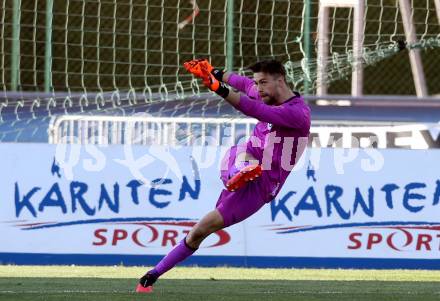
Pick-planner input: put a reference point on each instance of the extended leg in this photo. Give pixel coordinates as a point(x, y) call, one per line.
point(210, 223)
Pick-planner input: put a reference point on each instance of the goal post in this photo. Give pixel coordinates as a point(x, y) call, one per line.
point(358, 7)
point(414, 54)
point(437, 9)
point(323, 44)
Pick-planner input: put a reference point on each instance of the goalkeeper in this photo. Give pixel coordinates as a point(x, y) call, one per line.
point(254, 172)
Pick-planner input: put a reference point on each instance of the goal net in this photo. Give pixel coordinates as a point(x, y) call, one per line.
point(139, 46)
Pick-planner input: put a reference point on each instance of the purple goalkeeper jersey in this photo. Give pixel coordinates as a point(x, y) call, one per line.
point(278, 139)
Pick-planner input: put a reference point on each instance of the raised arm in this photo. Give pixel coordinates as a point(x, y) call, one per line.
point(292, 114)
point(289, 115)
point(238, 82)
point(198, 67)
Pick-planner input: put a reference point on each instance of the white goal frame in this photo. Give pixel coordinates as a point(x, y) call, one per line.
point(358, 38)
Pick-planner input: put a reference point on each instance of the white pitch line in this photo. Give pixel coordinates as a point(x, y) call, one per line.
point(62, 291)
point(268, 292)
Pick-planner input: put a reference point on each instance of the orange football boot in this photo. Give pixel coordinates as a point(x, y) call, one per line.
point(245, 175)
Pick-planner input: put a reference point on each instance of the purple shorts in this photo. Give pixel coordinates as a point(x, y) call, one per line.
point(238, 205)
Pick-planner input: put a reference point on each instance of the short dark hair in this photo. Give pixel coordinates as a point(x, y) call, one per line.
point(272, 67)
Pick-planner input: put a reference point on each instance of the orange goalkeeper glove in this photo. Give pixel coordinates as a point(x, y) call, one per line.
point(195, 67)
point(203, 69)
point(214, 84)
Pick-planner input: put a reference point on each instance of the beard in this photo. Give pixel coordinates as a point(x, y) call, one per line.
point(268, 99)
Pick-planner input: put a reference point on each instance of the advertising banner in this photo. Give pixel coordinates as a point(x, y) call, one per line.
point(408, 136)
point(131, 204)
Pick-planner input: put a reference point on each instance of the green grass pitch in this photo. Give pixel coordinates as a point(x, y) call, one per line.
point(192, 284)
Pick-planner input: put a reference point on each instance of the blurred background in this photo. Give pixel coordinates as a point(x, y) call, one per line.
point(103, 46)
point(69, 57)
